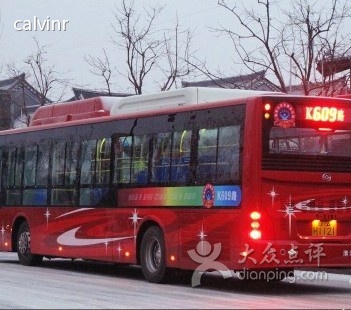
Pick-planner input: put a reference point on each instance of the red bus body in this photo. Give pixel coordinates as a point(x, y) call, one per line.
point(283, 217)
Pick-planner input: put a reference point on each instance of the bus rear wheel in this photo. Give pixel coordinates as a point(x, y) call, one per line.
point(24, 253)
point(152, 255)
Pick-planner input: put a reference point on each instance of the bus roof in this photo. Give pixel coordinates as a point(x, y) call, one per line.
point(105, 106)
point(178, 98)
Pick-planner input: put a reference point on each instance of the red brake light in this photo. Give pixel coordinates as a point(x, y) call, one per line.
point(255, 215)
point(255, 232)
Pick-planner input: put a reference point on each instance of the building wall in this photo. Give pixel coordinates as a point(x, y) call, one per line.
point(5, 111)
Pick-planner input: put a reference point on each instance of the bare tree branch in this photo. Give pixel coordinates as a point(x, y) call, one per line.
point(140, 42)
point(40, 74)
point(288, 48)
point(151, 51)
point(177, 56)
point(43, 75)
point(101, 66)
point(260, 29)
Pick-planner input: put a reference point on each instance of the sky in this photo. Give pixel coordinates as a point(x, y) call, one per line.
point(89, 30)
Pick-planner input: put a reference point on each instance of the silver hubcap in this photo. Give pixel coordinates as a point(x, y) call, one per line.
point(153, 257)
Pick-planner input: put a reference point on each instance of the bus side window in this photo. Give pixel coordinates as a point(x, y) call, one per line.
point(180, 168)
point(58, 163)
point(207, 155)
point(140, 159)
point(218, 154)
point(35, 177)
point(161, 157)
point(64, 173)
point(19, 167)
point(95, 172)
point(43, 164)
point(228, 154)
point(11, 171)
point(30, 159)
point(88, 162)
point(103, 154)
point(122, 149)
point(11, 166)
point(71, 163)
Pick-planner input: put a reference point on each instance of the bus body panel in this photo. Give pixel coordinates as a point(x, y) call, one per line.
point(280, 218)
point(111, 235)
point(294, 207)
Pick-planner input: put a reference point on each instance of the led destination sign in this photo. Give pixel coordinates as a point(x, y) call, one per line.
point(324, 114)
point(286, 114)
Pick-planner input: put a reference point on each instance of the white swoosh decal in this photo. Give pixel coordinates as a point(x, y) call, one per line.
point(69, 238)
point(303, 206)
point(75, 211)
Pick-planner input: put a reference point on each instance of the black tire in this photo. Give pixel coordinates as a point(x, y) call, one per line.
point(24, 253)
point(152, 255)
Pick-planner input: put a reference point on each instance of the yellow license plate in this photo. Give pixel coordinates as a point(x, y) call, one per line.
point(324, 228)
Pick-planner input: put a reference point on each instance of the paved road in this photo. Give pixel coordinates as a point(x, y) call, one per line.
point(79, 284)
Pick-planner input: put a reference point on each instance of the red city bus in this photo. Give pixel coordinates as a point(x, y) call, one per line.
point(194, 179)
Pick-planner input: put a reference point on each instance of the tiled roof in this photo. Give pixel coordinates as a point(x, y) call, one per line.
point(333, 88)
point(80, 93)
point(330, 65)
point(15, 84)
point(257, 81)
point(9, 83)
point(254, 81)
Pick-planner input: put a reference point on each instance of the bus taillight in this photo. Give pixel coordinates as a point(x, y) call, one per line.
point(255, 225)
point(255, 215)
point(267, 107)
point(267, 110)
point(255, 232)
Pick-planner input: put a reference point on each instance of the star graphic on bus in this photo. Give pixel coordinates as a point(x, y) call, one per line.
point(273, 195)
point(289, 212)
point(119, 250)
point(202, 235)
point(202, 243)
point(345, 201)
point(2, 232)
point(47, 215)
point(135, 218)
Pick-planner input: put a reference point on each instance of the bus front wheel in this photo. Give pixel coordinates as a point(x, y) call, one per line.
point(24, 253)
point(152, 255)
